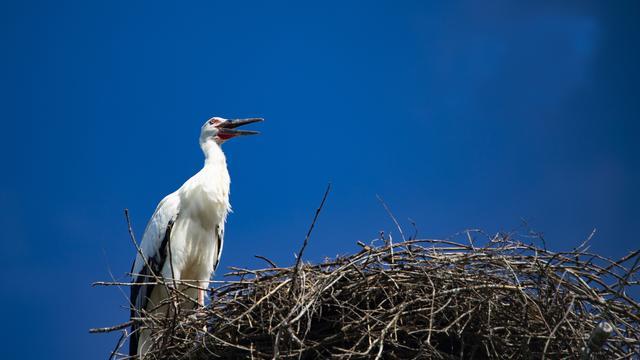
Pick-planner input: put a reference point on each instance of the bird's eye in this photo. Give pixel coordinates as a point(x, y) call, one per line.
point(212, 122)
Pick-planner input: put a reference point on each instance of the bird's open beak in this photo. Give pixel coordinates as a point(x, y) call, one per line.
point(229, 127)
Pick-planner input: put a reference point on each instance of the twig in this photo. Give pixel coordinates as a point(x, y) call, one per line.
point(392, 217)
point(273, 265)
point(111, 328)
point(313, 223)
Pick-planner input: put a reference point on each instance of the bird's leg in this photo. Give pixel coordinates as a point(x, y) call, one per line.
point(201, 294)
point(201, 297)
point(202, 291)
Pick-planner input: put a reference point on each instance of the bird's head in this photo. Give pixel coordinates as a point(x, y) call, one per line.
point(220, 130)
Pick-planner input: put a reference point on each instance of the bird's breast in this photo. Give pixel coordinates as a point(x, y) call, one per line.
point(207, 205)
point(204, 204)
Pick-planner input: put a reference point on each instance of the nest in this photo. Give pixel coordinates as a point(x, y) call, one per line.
point(418, 299)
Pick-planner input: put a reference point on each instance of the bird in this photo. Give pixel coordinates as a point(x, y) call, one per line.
point(183, 240)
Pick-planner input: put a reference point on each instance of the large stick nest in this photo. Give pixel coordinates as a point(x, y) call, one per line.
point(418, 299)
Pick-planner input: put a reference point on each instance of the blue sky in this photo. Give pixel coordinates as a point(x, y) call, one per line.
point(460, 114)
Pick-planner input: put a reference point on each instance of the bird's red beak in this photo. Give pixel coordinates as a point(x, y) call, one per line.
point(227, 129)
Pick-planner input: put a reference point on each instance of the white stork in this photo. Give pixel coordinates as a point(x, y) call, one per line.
point(183, 239)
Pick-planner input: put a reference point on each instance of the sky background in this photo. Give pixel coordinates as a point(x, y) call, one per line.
point(459, 114)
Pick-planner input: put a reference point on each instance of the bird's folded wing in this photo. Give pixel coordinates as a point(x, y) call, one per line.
point(153, 241)
point(153, 248)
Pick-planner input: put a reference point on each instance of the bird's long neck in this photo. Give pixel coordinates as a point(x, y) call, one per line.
point(213, 180)
point(213, 155)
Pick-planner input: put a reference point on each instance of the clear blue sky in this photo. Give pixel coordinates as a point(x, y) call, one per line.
point(464, 114)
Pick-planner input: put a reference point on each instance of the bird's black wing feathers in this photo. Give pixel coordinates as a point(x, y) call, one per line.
point(219, 242)
point(140, 294)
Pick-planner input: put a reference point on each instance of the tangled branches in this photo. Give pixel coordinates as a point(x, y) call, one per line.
point(418, 299)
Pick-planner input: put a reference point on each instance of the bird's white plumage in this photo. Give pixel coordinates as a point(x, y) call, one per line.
point(197, 212)
point(199, 209)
